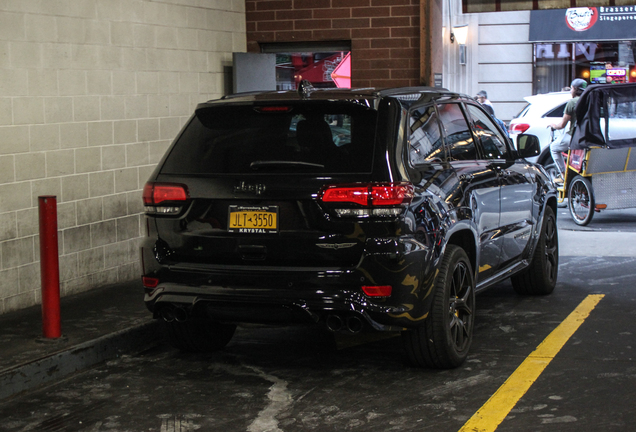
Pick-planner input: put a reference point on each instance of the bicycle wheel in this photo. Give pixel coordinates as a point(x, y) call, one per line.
point(581, 200)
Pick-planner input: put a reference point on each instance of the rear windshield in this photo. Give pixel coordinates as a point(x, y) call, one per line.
point(312, 137)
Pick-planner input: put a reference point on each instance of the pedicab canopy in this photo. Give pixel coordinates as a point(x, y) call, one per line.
point(606, 117)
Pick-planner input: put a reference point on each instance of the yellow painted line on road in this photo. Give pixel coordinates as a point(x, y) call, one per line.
point(495, 410)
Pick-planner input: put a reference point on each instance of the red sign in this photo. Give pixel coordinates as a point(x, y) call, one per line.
point(341, 75)
point(581, 18)
point(616, 72)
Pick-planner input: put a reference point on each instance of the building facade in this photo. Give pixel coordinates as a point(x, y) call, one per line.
point(383, 36)
point(384, 41)
point(516, 54)
point(499, 58)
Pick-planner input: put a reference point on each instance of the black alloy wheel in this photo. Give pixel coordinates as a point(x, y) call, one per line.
point(444, 340)
point(461, 307)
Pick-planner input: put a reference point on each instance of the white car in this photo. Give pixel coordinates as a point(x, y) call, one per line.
point(541, 111)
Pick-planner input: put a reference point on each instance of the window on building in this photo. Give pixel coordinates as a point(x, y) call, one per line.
point(554, 69)
point(556, 65)
point(324, 65)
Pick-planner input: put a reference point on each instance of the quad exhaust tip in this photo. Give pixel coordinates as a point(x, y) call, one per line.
point(351, 324)
point(170, 314)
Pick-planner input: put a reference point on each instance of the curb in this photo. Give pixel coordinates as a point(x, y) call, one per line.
point(73, 359)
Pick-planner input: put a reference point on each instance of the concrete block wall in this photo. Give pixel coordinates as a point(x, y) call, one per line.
point(384, 34)
point(92, 92)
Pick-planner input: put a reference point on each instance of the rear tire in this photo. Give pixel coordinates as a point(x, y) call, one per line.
point(581, 200)
point(541, 276)
point(198, 334)
point(443, 341)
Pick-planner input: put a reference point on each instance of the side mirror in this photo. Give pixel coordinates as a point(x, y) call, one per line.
point(528, 146)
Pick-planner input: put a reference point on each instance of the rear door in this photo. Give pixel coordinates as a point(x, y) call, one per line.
point(480, 181)
point(517, 189)
point(254, 176)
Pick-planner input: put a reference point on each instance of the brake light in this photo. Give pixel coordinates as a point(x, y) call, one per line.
point(156, 193)
point(149, 282)
point(356, 195)
point(389, 194)
point(273, 109)
point(377, 199)
point(516, 128)
point(378, 291)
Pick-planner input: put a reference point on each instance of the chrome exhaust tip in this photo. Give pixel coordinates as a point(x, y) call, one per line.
point(334, 323)
point(167, 314)
point(180, 314)
point(354, 324)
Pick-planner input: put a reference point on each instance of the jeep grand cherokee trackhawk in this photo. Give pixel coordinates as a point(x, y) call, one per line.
point(366, 209)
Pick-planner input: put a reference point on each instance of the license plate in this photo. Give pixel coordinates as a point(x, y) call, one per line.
point(253, 220)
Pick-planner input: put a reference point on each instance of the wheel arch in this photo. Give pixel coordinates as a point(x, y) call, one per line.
point(465, 239)
point(552, 202)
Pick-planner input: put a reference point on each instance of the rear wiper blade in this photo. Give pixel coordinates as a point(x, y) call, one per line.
point(284, 164)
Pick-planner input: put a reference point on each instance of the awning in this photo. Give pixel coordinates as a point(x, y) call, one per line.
point(583, 24)
point(473, 6)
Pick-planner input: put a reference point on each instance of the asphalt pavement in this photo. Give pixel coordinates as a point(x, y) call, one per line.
point(109, 322)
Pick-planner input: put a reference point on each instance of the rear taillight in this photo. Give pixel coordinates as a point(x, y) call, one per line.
point(165, 198)
point(149, 282)
point(369, 199)
point(378, 290)
point(516, 128)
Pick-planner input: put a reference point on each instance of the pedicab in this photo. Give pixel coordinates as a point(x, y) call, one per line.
point(601, 170)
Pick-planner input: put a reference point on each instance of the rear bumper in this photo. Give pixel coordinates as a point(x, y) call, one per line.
point(288, 295)
point(273, 306)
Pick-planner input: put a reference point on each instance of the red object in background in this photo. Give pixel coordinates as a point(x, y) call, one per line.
point(341, 75)
point(49, 267)
point(318, 71)
point(576, 159)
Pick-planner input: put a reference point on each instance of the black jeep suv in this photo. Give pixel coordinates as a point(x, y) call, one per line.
point(353, 209)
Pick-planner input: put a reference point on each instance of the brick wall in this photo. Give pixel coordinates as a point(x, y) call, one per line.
point(91, 94)
point(384, 34)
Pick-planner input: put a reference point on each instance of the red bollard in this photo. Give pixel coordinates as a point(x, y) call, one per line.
point(49, 267)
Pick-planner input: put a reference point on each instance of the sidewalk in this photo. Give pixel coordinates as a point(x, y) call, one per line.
point(96, 326)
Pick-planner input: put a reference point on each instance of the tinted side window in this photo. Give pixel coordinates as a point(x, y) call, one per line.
point(459, 139)
point(556, 112)
point(493, 144)
point(425, 138)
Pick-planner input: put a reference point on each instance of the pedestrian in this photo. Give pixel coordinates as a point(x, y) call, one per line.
point(489, 109)
point(562, 143)
point(482, 98)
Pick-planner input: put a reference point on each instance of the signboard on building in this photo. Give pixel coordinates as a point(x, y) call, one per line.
point(583, 24)
point(474, 6)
